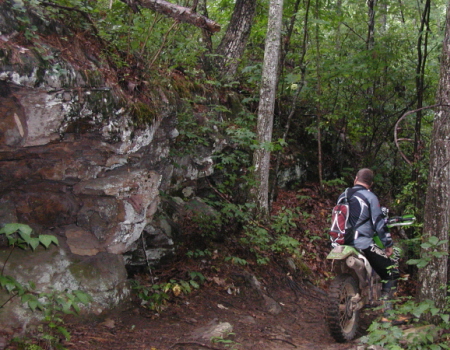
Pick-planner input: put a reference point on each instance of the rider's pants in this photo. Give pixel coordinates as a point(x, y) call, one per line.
point(383, 266)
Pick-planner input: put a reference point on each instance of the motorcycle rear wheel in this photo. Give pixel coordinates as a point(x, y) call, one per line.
point(342, 319)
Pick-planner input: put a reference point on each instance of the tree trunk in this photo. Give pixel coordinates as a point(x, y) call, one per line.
point(288, 36)
point(300, 86)
point(422, 54)
point(177, 12)
point(269, 80)
point(319, 97)
point(437, 208)
point(232, 46)
point(371, 24)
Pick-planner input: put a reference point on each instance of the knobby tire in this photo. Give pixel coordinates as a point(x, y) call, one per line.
point(342, 323)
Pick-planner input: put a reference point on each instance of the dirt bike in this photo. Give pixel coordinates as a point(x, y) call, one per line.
point(355, 286)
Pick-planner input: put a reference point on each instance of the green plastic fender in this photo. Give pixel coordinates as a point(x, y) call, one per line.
point(341, 252)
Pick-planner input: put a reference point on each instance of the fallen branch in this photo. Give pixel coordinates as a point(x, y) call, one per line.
point(187, 343)
point(177, 12)
point(396, 139)
point(283, 340)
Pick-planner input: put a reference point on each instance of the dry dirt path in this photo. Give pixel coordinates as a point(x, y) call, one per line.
point(300, 325)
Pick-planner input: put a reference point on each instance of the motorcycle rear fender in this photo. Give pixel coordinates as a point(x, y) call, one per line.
point(341, 252)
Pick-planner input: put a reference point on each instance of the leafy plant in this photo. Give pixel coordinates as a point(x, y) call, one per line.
point(21, 236)
point(431, 251)
point(284, 221)
point(198, 253)
point(228, 343)
point(425, 337)
point(28, 29)
point(236, 260)
point(285, 243)
point(54, 305)
point(156, 295)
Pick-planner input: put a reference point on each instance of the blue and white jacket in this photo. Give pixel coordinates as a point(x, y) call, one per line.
point(364, 206)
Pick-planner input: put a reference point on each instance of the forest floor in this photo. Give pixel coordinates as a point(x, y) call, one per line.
point(186, 322)
point(228, 298)
point(183, 325)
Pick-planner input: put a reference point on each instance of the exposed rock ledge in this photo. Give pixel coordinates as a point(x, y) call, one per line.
point(74, 164)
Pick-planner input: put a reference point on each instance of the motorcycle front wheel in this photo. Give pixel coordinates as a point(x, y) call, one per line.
point(343, 317)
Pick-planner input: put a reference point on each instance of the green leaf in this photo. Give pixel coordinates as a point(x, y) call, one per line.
point(46, 240)
point(82, 297)
point(9, 229)
point(76, 308)
point(64, 332)
point(194, 284)
point(33, 242)
point(413, 261)
point(422, 263)
point(445, 318)
point(421, 308)
point(434, 311)
point(33, 304)
point(395, 347)
point(433, 240)
point(25, 235)
point(186, 286)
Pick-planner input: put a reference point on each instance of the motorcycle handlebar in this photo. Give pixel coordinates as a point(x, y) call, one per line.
point(395, 219)
point(408, 219)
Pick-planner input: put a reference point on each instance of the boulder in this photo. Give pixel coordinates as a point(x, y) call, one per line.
point(103, 276)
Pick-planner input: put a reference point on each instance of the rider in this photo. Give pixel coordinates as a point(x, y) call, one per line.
point(366, 215)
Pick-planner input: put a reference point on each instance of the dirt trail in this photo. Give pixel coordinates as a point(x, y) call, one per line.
point(300, 325)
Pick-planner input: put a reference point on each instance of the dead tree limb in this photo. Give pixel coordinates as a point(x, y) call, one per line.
point(177, 12)
point(397, 127)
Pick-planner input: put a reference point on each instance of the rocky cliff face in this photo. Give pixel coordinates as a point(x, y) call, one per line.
point(73, 161)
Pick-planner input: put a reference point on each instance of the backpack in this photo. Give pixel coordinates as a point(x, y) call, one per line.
point(341, 233)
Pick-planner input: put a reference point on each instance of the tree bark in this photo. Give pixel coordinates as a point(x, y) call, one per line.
point(232, 46)
point(288, 35)
point(422, 55)
point(437, 206)
point(300, 85)
point(371, 24)
point(261, 157)
point(319, 97)
point(177, 12)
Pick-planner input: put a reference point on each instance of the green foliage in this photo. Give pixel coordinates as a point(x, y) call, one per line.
point(285, 244)
point(236, 260)
point(54, 305)
point(199, 253)
point(228, 343)
point(430, 252)
point(284, 221)
point(20, 235)
point(263, 242)
point(156, 295)
point(340, 182)
point(26, 26)
point(208, 224)
point(257, 238)
point(425, 337)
